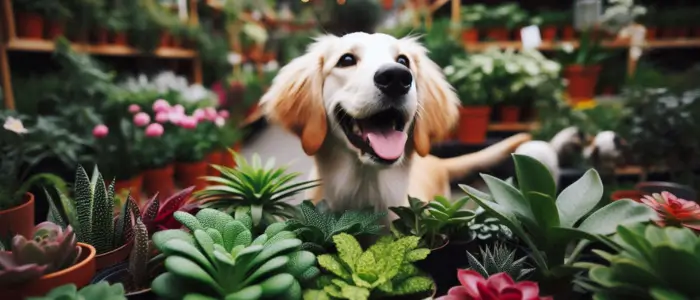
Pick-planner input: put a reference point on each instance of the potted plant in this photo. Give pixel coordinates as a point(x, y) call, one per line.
point(114, 29)
point(100, 290)
point(229, 136)
point(582, 67)
point(158, 215)
point(193, 145)
point(472, 17)
point(30, 17)
point(153, 147)
point(217, 135)
point(651, 22)
point(51, 258)
point(56, 25)
point(113, 152)
point(91, 212)
point(552, 22)
point(501, 286)
point(500, 20)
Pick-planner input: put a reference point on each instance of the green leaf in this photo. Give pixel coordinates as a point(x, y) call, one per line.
point(605, 220)
point(185, 268)
point(276, 285)
point(417, 254)
point(533, 176)
point(349, 250)
point(249, 293)
point(333, 264)
point(579, 198)
point(509, 198)
point(665, 294)
point(544, 209)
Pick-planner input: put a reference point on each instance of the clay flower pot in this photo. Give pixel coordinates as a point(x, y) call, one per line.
point(473, 124)
point(549, 33)
point(56, 29)
point(568, 33)
point(582, 81)
point(470, 35)
point(79, 274)
point(510, 113)
point(111, 258)
point(30, 25)
point(102, 37)
point(18, 219)
point(214, 158)
point(190, 173)
point(133, 185)
point(159, 181)
point(119, 38)
point(626, 194)
point(498, 34)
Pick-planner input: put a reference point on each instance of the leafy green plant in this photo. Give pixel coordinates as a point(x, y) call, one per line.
point(315, 225)
point(48, 8)
point(91, 212)
point(434, 223)
point(651, 263)
point(221, 259)
point(555, 18)
point(101, 290)
point(486, 227)
point(547, 226)
point(588, 53)
point(385, 268)
point(497, 260)
point(260, 188)
point(52, 249)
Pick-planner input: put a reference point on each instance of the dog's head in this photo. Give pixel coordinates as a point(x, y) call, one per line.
point(379, 96)
point(607, 146)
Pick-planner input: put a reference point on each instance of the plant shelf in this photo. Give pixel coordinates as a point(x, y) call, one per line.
point(515, 127)
point(107, 50)
point(550, 46)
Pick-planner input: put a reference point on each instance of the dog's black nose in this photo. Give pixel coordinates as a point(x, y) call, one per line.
point(393, 80)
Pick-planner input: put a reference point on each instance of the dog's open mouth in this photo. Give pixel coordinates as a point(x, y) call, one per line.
point(380, 135)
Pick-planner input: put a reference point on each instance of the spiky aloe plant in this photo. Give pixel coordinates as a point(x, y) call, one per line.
point(262, 188)
point(51, 249)
point(158, 215)
point(91, 212)
point(499, 259)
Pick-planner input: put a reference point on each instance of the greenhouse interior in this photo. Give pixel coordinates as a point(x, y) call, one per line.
point(349, 149)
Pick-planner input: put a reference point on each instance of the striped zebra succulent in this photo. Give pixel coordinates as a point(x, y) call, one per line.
point(91, 212)
point(499, 259)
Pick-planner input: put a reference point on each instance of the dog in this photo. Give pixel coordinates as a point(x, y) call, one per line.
point(605, 153)
point(558, 152)
point(367, 107)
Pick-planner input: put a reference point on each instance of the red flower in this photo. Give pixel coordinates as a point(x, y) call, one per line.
point(674, 211)
point(497, 287)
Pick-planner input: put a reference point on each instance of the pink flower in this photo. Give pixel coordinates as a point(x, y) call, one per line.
point(134, 108)
point(100, 131)
point(224, 114)
point(220, 122)
point(175, 117)
point(161, 105)
point(211, 113)
point(497, 287)
point(154, 130)
point(188, 122)
point(142, 119)
point(199, 114)
point(674, 211)
point(179, 109)
point(162, 117)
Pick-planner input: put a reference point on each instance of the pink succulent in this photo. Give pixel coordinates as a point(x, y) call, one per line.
point(100, 131)
point(161, 105)
point(134, 108)
point(674, 211)
point(497, 287)
point(199, 114)
point(162, 117)
point(189, 122)
point(224, 114)
point(179, 109)
point(154, 130)
point(142, 119)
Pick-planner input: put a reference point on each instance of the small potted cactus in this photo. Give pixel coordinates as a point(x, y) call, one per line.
point(51, 259)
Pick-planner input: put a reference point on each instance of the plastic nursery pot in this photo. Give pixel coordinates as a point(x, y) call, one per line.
point(473, 124)
point(568, 33)
point(165, 39)
point(119, 38)
point(582, 81)
point(118, 274)
point(549, 33)
point(30, 25)
point(679, 190)
point(626, 194)
point(79, 274)
point(470, 35)
point(56, 29)
point(190, 173)
point(133, 185)
point(498, 34)
point(510, 113)
point(102, 37)
point(18, 219)
point(214, 158)
point(111, 258)
point(159, 181)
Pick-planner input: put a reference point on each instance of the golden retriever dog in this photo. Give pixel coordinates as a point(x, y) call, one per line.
point(367, 107)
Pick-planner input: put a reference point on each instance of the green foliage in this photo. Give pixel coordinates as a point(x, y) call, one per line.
point(101, 290)
point(91, 212)
point(556, 18)
point(262, 189)
point(220, 258)
point(548, 223)
point(385, 269)
point(434, 222)
point(652, 263)
point(139, 257)
point(486, 227)
point(588, 53)
point(508, 15)
point(497, 260)
point(316, 226)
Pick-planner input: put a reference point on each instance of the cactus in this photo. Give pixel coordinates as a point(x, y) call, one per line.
point(52, 249)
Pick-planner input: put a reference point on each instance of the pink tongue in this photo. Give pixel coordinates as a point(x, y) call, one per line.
point(388, 145)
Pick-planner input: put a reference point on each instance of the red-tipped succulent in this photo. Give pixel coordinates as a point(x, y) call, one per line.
point(497, 287)
point(674, 211)
point(158, 215)
point(52, 249)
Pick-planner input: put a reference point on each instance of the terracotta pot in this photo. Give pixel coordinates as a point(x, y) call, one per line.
point(165, 40)
point(582, 81)
point(159, 181)
point(30, 25)
point(626, 194)
point(651, 33)
point(79, 274)
point(388, 4)
point(510, 113)
point(111, 258)
point(190, 173)
point(214, 158)
point(18, 219)
point(56, 29)
point(102, 37)
point(119, 38)
point(470, 35)
point(498, 34)
point(549, 33)
point(133, 185)
point(568, 33)
point(473, 124)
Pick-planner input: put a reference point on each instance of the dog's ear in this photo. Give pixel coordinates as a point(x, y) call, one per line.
point(437, 102)
point(592, 153)
point(295, 98)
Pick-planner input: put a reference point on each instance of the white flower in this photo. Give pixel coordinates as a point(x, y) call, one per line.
point(220, 122)
point(15, 125)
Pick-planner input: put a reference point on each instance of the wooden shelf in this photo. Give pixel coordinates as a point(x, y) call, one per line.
point(513, 126)
point(108, 50)
point(550, 46)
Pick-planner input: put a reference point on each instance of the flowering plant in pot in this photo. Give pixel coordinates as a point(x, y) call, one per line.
point(673, 211)
point(582, 66)
point(113, 150)
point(51, 258)
point(192, 146)
point(471, 17)
point(31, 16)
point(552, 21)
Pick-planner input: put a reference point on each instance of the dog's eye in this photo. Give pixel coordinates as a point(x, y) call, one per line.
point(346, 60)
point(402, 59)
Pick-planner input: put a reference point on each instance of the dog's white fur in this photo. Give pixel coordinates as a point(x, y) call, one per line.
point(306, 91)
point(605, 150)
point(550, 153)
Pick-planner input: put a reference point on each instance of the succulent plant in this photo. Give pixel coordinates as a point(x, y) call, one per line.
point(486, 227)
point(138, 259)
point(674, 211)
point(434, 222)
point(499, 259)
point(158, 215)
point(220, 259)
point(475, 286)
point(101, 290)
point(91, 212)
point(261, 188)
point(51, 249)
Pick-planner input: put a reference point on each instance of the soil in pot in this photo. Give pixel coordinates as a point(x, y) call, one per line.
point(498, 34)
point(30, 25)
point(214, 158)
point(79, 274)
point(549, 33)
point(470, 35)
point(582, 81)
point(190, 173)
point(510, 113)
point(56, 29)
point(18, 219)
point(473, 124)
point(111, 258)
point(159, 181)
